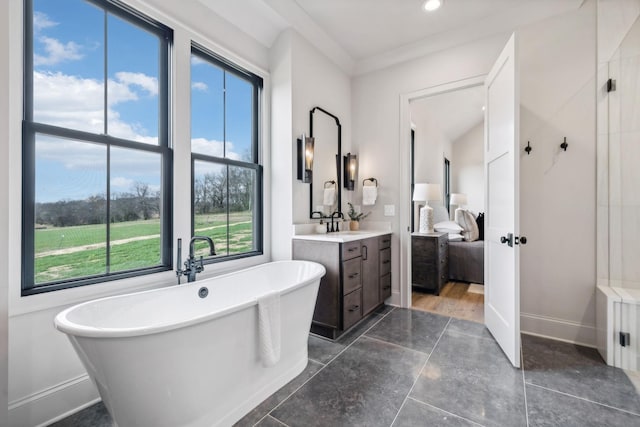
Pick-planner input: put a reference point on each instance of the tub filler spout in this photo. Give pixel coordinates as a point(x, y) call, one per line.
point(191, 265)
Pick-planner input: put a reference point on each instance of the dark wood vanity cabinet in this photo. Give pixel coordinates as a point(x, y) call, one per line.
point(429, 261)
point(358, 280)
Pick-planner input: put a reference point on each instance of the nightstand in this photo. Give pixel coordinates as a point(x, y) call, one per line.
point(429, 261)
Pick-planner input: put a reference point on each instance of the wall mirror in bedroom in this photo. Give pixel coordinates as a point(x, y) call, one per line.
point(447, 150)
point(325, 195)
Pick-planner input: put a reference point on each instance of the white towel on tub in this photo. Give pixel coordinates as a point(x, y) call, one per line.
point(269, 328)
point(369, 194)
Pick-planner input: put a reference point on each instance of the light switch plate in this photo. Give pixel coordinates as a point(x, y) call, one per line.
point(389, 210)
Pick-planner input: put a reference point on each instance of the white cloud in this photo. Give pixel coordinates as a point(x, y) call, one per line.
point(76, 102)
point(196, 60)
point(57, 52)
point(201, 86)
point(211, 147)
point(120, 182)
point(148, 83)
point(42, 21)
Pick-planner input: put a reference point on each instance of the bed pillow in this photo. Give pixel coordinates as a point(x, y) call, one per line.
point(467, 221)
point(448, 227)
point(456, 238)
point(440, 213)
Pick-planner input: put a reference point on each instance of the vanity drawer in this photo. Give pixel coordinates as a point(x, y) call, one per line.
point(351, 275)
point(384, 241)
point(350, 250)
point(352, 308)
point(385, 286)
point(385, 261)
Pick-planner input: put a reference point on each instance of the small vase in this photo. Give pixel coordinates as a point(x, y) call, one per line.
point(354, 225)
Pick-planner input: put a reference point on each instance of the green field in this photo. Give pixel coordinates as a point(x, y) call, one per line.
point(79, 251)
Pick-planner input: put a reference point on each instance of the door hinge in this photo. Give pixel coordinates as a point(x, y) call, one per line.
point(625, 339)
point(611, 85)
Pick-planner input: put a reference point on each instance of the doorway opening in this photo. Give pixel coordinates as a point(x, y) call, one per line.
point(446, 149)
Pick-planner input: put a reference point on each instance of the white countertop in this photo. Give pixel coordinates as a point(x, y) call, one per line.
point(342, 236)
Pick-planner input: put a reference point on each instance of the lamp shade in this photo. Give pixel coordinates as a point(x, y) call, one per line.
point(420, 193)
point(433, 192)
point(458, 199)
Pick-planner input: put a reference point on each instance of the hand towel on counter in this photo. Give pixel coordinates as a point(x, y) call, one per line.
point(369, 194)
point(329, 197)
point(269, 328)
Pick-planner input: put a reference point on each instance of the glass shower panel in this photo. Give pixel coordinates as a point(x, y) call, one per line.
point(624, 173)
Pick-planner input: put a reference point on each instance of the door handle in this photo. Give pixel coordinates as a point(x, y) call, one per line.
point(508, 240)
point(522, 240)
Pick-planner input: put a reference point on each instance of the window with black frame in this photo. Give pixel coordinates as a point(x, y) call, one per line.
point(96, 157)
point(226, 173)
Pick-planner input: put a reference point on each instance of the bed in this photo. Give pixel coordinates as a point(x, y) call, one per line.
point(466, 259)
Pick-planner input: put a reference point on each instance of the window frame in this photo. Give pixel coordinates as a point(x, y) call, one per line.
point(30, 129)
point(257, 86)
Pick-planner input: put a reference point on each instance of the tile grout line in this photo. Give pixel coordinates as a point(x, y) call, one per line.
point(447, 412)
point(584, 399)
point(420, 371)
point(320, 370)
point(524, 383)
point(277, 420)
point(394, 344)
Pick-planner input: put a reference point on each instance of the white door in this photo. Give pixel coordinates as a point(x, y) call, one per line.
point(501, 272)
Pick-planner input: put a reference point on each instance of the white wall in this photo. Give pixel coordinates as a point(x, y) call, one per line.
point(557, 208)
point(467, 167)
point(558, 86)
point(431, 146)
point(46, 379)
point(303, 78)
point(317, 82)
point(376, 122)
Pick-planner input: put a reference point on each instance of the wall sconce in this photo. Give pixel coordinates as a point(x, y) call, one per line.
point(305, 159)
point(350, 168)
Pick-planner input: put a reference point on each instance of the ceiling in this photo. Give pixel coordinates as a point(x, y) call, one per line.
point(365, 35)
point(454, 113)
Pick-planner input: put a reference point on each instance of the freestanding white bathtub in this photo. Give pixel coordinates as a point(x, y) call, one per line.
point(168, 357)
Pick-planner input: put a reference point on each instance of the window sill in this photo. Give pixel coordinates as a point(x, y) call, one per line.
point(67, 297)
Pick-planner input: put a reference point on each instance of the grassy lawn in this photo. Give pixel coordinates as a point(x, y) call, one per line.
point(81, 261)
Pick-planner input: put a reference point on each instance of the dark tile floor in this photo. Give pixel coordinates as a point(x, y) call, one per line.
point(411, 368)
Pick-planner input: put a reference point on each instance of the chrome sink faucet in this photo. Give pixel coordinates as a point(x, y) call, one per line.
point(191, 265)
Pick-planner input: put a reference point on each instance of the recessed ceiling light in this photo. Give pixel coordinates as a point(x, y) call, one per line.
point(431, 5)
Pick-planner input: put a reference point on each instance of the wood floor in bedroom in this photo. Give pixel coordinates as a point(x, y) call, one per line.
point(454, 300)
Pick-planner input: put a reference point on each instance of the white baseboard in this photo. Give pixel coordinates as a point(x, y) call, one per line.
point(558, 329)
point(54, 403)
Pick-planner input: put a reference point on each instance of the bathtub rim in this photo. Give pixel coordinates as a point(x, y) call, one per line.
point(63, 324)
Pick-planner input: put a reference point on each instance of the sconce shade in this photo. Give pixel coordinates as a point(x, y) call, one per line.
point(305, 159)
point(350, 170)
point(458, 199)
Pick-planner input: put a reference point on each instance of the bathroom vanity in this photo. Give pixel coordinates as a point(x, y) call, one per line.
point(358, 278)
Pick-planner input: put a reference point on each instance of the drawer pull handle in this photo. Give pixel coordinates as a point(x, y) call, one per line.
point(386, 241)
point(387, 287)
point(352, 249)
point(351, 276)
point(354, 308)
point(386, 261)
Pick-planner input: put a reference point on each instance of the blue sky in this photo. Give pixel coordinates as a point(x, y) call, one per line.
point(68, 91)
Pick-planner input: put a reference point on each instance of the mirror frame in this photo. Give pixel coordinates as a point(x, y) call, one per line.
point(338, 160)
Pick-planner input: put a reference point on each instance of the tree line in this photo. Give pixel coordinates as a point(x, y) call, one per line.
point(139, 203)
point(212, 193)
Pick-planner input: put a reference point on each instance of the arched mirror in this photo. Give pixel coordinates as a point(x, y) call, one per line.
point(325, 195)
